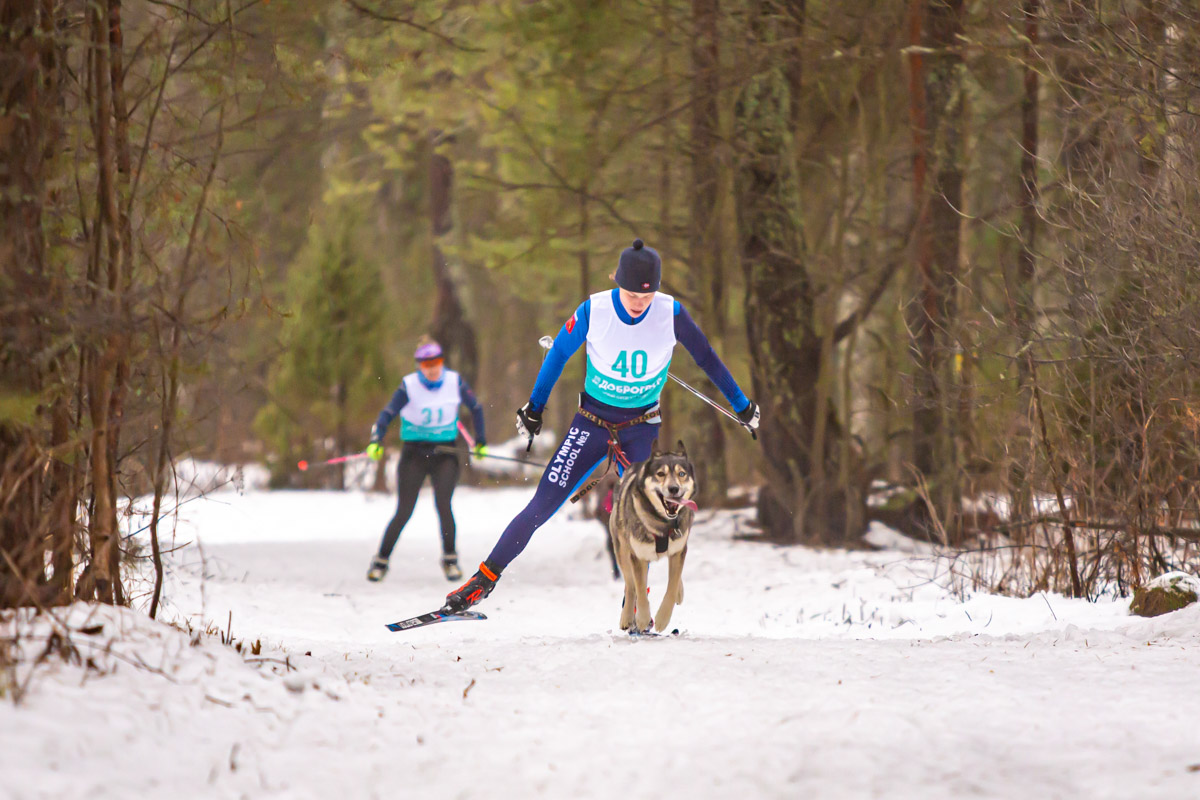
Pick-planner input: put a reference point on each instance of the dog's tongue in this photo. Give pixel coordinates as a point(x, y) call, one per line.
point(689, 503)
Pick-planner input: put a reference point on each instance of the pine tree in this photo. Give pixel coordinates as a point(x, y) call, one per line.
point(333, 356)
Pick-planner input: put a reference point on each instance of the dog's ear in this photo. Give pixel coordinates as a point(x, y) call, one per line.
point(654, 451)
point(682, 450)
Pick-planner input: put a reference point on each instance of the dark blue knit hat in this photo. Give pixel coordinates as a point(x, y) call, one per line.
point(640, 268)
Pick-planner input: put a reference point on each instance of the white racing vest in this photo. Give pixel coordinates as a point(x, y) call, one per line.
point(430, 415)
point(627, 364)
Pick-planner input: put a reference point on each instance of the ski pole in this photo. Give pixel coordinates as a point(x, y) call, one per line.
point(304, 465)
point(489, 455)
point(466, 436)
point(546, 341)
point(714, 404)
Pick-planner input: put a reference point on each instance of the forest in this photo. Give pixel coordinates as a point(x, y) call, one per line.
point(950, 248)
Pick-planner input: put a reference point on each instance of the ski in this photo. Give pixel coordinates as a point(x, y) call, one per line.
point(434, 617)
point(635, 634)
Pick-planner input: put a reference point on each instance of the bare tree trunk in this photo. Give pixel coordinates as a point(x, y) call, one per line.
point(124, 164)
point(707, 245)
point(1023, 299)
point(670, 427)
point(340, 438)
point(103, 579)
point(925, 411)
point(936, 108)
point(786, 349)
point(449, 325)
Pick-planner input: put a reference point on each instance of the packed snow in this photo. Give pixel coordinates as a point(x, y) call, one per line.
point(796, 672)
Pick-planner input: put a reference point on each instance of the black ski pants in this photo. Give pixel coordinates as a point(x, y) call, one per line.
point(418, 459)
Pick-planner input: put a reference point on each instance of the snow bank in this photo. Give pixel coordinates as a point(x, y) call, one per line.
point(114, 704)
point(1175, 580)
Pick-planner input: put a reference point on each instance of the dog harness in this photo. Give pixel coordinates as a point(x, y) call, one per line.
point(616, 456)
point(661, 542)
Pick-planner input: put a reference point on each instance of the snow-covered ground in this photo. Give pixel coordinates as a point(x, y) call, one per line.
point(797, 674)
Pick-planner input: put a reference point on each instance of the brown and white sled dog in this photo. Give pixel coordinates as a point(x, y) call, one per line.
point(653, 511)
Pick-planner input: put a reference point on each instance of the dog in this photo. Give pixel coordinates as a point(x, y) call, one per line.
point(653, 511)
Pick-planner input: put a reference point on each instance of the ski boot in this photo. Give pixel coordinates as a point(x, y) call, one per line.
point(478, 587)
point(379, 568)
point(450, 567)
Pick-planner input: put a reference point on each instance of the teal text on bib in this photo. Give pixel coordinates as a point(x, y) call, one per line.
point(624, 393)
point(411, 432)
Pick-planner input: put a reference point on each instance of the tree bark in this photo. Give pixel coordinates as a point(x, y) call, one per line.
point(707, 245)
point(786, 348)
point(449, 324)
point(103, 576)
point(936, 108)
point(124, 165)
point(1023, 300)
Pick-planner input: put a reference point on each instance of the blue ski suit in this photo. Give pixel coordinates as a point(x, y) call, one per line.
point(585, 445)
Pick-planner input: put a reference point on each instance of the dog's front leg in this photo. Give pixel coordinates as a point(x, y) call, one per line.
point(674, 591)
point(640, 570)
point(628, 570)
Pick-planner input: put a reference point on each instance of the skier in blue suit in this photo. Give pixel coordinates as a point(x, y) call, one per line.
point(630, 333)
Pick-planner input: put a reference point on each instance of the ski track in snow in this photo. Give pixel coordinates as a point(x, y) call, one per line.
point(798, 673)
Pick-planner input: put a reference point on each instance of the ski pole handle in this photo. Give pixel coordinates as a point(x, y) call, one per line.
point(546, 343)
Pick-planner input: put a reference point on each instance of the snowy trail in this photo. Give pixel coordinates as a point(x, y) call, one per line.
point(797, 674)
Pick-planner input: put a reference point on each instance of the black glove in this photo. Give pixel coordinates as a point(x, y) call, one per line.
point(749, 417)
point(529, 422)
point(479, 586)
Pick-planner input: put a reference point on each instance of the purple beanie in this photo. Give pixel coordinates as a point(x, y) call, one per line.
point(428, 351)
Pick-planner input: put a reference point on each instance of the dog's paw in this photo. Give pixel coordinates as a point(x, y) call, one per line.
point(663, 616)
point(627, 620)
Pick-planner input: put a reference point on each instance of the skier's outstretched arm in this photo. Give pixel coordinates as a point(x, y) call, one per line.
point(688, 333)
point(570, 337)
point(468, 399)
point(399, 400)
